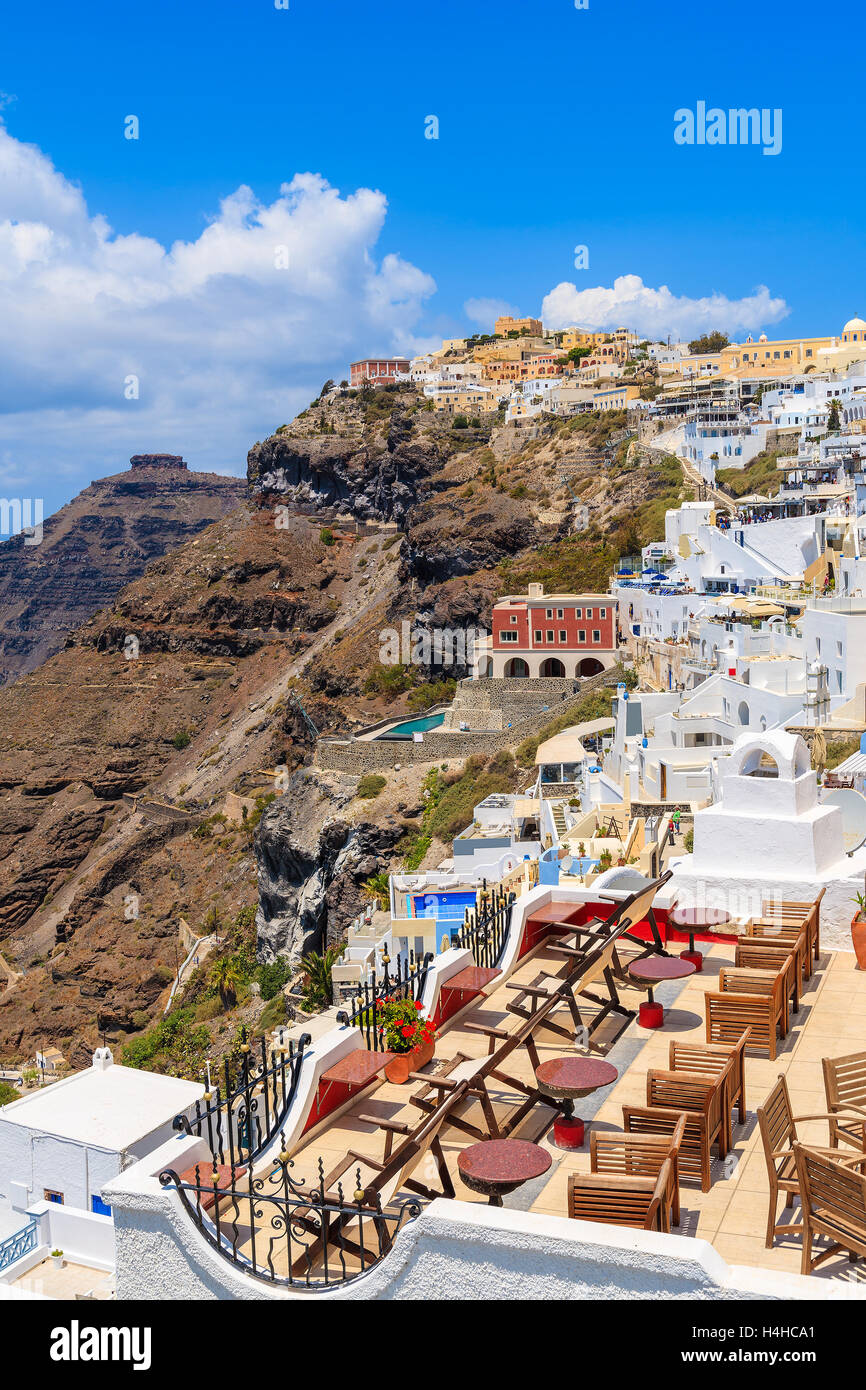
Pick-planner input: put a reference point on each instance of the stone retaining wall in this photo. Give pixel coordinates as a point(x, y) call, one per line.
point(358, 757)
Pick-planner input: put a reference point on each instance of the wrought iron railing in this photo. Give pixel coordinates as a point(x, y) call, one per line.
point(486, 927)
point(240, 1117)
point(16, 1246)
point(274, 1227)
point(406, 982)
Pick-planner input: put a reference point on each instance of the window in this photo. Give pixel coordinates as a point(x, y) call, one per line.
point(578, 612)
point(602, 612)
point(589, 612)
point(560, 612)
point(509, 636)
point(50, 1196)
point(596, 636)
point(549, 635)
point(549, 613)
point(838, 648)
point(537, 635)
point(98, 1207)
point(563, 635)
point(581, 636)
point(514, 617)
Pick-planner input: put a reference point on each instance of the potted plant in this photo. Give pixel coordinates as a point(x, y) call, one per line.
point(57, 1259)
point(858, 930)
point(605, 859)
point(408, 1036)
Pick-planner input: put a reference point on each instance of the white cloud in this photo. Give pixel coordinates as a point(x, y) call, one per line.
point(658, 312)
point(485, 312)
point(229, 334)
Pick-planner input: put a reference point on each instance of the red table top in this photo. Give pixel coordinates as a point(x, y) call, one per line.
point(575, 1076)
point(503, 1161)
point(557, 912)
point(357, 1068)
point(656, 968)
point(474, 977)
point(699, 916)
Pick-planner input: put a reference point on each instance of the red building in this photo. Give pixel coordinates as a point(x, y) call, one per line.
point(377, 370)
point(536, 634)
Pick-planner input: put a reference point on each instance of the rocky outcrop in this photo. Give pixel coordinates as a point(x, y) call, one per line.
point(311, 870)
point(100, 541)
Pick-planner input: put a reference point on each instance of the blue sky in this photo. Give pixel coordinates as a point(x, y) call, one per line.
point(555, 129)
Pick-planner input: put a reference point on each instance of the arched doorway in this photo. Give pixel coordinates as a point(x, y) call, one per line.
point(516, 667)
point(743, 713)
point(488, 667)
point(590, 666)
point(552, 667)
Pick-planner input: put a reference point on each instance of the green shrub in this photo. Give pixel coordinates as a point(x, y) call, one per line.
point(273, 1014)
point(273, 976)
point(370, 786)
point(689, 842)
point(182, 738)
point(174, 1046)
point(8, 1093)
point(326, 536)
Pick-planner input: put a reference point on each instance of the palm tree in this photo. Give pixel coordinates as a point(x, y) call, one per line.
point(225, 979)
point(319, 967)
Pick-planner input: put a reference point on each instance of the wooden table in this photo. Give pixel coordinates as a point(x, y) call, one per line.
point(498, 1166)
point(568, 1079)
point(693, 919)
point(653, 970)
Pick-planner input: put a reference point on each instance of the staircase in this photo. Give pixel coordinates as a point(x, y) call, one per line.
point(559, 820)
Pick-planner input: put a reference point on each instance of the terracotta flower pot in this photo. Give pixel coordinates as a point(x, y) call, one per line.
point(402, 1063)
point(858, 937)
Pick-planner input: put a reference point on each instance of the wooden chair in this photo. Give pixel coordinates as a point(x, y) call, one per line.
point(702, 1099)
point(621, 1201)
point(833, 1199)
point(754, 953)
point(778, 1126)
point(640, 1155)
point(787, 937)
point(807, 914)
point(712, 1061)
point(845, 1088)
point(753, 999)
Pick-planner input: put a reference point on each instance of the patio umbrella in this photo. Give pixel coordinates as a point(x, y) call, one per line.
point(819, 752)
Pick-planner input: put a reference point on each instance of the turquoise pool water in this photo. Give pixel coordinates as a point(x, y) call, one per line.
point(412, 726)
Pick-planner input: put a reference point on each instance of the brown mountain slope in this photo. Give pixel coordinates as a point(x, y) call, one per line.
point(205, 675)
point(91, 548)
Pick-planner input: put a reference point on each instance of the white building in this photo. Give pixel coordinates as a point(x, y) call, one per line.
point(64, 1142)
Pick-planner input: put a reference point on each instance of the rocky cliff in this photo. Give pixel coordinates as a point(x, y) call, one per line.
point(216, 669)
point(100, 541)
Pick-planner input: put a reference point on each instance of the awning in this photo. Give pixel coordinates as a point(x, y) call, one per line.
point(526, 806)
point(562, 748)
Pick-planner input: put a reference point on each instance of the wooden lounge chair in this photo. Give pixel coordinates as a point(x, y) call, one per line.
point(833, 1199)
point(641, 1203)
point(754, 953)
point(753, 999)
point(390, 1175)
point(807, 914)
point(778, 1126)
point(712, 1061)
point(475, 1073)
point(638, 907)
point(640, 1155)
point(597, 964)
point(845, 1088)
point(702, 1099)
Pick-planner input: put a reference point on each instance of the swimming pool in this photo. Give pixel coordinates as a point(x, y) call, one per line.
point(412, 726)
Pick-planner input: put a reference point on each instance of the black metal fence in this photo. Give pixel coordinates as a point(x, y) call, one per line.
point(241, 1116)
point(275, 1228)
point(486, 927)
point(407, 982)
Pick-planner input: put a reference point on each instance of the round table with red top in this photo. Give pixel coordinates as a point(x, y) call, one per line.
point(654, 970)
point(693, 919)
point(567, 1079)
point(498, 1166)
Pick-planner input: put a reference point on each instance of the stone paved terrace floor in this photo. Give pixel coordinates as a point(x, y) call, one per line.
point(70, 1281)
point(733, 1214)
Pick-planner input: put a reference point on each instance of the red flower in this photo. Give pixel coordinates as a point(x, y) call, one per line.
point(407, 1031)
point(418, 1004)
